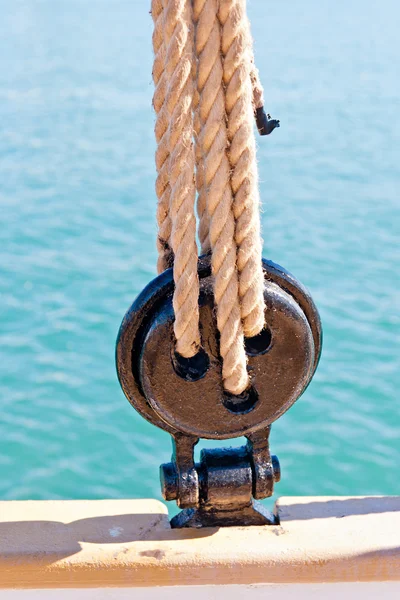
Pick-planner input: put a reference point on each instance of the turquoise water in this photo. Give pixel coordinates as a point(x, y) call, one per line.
point(78, 238)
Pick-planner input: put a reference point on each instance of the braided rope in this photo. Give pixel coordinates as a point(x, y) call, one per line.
point(179, 44)
point(163, 190)
point(218, 112)
point(258, 90)
point(237, 55)
point(213, 141)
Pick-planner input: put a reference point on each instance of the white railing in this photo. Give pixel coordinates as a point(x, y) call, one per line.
point(129, 544)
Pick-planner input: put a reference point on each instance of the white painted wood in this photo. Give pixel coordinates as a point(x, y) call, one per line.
point(129, 543)
point(385, 590)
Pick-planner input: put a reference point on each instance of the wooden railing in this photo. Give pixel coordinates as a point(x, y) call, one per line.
point(128, 543)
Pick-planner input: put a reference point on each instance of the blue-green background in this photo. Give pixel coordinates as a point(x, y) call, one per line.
point(77, 238)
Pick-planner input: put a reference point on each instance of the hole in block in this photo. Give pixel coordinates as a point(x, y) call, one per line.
point(193, 368)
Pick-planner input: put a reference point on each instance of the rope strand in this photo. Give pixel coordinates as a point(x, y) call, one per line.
point(163, 190)
point(179, 43)
point(237, 54)
point(207, 130)
point(213, 141)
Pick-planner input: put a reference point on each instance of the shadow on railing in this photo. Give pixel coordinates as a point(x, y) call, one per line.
point(338, 508)
point(36, 537)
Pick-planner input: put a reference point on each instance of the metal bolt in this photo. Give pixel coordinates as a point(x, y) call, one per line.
point(169, 481)
point(276, 467)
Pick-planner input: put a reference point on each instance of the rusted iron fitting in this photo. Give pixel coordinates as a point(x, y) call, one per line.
point(219, 490)
point(185, 397)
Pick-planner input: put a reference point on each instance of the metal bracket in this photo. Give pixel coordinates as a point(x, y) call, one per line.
point(219, 490)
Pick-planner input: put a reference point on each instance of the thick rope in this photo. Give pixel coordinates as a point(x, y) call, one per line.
point(237, 55)
point(179, 44)
point(258, 90)
point(227, 95)
point(215, 173)
point(258, 103)
point(163, 190)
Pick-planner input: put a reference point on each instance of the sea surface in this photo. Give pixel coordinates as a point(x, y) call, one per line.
point(77, 238)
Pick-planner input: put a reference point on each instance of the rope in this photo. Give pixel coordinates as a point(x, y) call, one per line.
point(236, 48)
point(258, 91)
point(163, 190)
point(213, 141)
point(209, 41)
point(179, 42)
